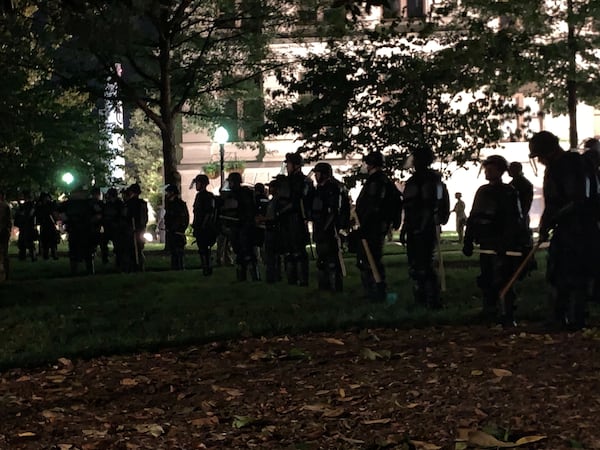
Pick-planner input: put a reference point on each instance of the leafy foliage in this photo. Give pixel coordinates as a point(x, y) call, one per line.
point(175, 56)
point(386, 91)
point(546, 48)
point(143, 158)
point(44, 129)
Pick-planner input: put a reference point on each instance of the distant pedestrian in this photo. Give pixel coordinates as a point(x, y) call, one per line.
point(461, 216)
point(570, 222)
point(426, 208)
point(497, 225)
point(177, 219)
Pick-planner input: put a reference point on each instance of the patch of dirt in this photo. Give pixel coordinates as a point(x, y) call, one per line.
point(450, 388)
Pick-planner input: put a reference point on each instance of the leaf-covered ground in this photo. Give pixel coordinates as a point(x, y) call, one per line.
point(450, 388)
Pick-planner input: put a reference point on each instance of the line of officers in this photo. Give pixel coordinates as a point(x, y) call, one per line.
point(498, 222)
point(274, 228)
point(90, 223)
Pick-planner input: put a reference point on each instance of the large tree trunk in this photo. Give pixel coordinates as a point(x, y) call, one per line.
point(571, 79)
point(169, 151)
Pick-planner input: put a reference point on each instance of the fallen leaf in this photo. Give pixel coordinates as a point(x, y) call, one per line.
point(481, 439)
point(150, 428)
point(476, 373)
point(376, 421)
point(502, 372)
point(205, 421)
point(367, 353)
point(129, 382)
point(242, 421)
point(337, 412)
point(318, 407)
point(420, 445)
point(334, 341)
point(342, 392)
point(529, 439)
point(26, 434)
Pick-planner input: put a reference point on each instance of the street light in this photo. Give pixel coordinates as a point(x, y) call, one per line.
point(68, 178)
point(221, 137)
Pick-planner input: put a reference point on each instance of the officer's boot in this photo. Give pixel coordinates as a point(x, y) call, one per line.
point(206, 267)
point(366, 281)
point(53, 253)
point(322, 279)
point(432, 290)
point(379, 292)
point(291, 269)
point(89, 266)
point(508, 311)
point(576, 311)
point(303, 272)
point(240, 272)
point(254, 271)
point(334, 278)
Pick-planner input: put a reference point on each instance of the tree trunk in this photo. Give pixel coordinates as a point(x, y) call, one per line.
point(169, 151)
point(571, 78)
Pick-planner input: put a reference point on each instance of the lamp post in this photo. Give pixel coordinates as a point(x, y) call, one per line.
point(221, 137)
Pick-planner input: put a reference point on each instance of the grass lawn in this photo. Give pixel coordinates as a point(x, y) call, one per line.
point(46, 314)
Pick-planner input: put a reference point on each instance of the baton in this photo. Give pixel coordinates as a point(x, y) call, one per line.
point(370, 259)
point(520, 269)
point(340, 253)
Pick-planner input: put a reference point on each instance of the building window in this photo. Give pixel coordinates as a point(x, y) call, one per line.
point(404, 8)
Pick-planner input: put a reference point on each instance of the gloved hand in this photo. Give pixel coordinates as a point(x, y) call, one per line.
point(468, 248)
point(544, 235)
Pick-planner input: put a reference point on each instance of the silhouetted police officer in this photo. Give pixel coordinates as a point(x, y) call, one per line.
point(78, 216)
point(326, 211)
point(5, 230)
point(177, 219)
point(570, 216)
point(135, 217)
point(293, 205)
point(426, 207)
point(112, 210)
point(374, 219)
point(497, 225)
point(204, 225)
point(46, 214)
point(237, 216)
point(25, 221)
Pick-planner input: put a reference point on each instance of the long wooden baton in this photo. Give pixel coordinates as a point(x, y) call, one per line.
point(442, 270)
point(518, 272)
point(370, 259)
